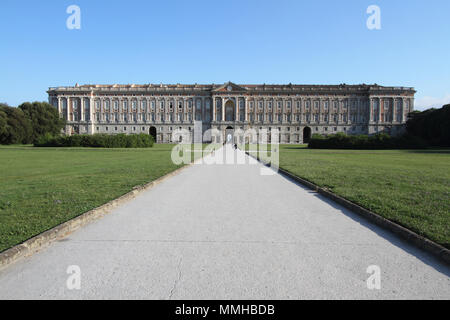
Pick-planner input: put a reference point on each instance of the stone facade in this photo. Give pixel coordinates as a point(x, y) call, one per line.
point(297, 111)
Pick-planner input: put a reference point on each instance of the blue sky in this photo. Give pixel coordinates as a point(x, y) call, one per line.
point(244, 41)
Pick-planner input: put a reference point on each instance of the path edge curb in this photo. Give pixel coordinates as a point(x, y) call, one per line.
point(34, 244)
point(417, 240)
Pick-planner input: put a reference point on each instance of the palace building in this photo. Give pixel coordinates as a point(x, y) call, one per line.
point(297, 111)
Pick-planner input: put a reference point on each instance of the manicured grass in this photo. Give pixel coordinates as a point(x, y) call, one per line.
point(43, 187)
point(410, 187)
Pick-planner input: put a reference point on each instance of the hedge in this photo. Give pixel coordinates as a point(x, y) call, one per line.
point(379, 141)
point(97, 141)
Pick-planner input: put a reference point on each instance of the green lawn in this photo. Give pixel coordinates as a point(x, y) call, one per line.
point(43, 187)
point(410, 187)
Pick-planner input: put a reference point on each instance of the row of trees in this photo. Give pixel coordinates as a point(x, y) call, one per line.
point(27, 123)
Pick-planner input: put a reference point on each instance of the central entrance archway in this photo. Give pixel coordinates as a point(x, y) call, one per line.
point(229, 133)
point(306, 134)
point(152, 132)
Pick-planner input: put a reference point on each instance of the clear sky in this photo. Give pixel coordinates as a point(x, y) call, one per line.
point(243, 41)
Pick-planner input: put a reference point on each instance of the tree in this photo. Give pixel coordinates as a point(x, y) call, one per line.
point(18, 128)
point(44, 119)
point(432, 125)
point(3, 121)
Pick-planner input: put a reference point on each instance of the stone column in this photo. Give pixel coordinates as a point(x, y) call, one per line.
point(92, 109)
point(213, 100)
point(223, 109)
point(59, 107)
point(81, 109)
point(403, 110)
point(194, 107)
point(246, 109)
point(67, 108)
point(379, 110)
point(236, 114)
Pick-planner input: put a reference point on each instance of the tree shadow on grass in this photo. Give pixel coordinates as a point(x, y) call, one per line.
point(295, 148)
point(394, 239)
point(431, 151)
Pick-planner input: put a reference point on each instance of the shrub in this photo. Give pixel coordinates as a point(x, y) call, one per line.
point(378, 141)
point(96, 141)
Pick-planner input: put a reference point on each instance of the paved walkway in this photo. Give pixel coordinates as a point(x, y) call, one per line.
point(226, 232)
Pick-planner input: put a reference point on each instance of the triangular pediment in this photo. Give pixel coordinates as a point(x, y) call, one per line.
point(229, 87)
